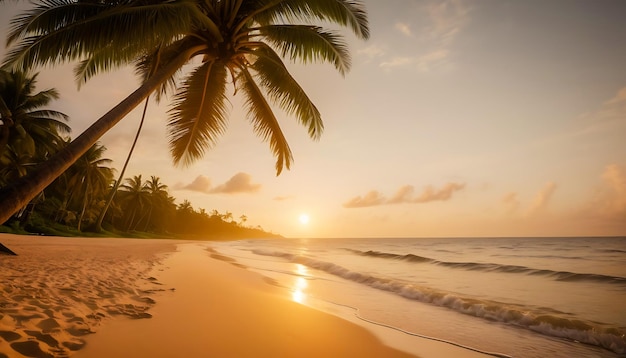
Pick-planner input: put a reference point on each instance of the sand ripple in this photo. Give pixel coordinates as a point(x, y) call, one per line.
point(57, 290)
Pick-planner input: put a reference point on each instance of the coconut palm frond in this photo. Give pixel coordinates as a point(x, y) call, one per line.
point(346, 13)
point(283, 89)
point(61, 30)
point(103, 60)
point(48, 116)
point(148, 64)
point(198, 115)
point(41, 99)
point(265, 123)
point(309, 44)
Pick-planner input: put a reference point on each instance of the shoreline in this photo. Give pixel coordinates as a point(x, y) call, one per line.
point(204, 303)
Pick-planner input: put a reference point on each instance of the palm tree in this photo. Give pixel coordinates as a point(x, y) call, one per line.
point(89, 179)
point(27, 130)
point(241, 38)
point(158, 198)
point(134, 196)
point(29, 133)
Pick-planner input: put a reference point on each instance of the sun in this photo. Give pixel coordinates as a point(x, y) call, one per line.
point(304, 218)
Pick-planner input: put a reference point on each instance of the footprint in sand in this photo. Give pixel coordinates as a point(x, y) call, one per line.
point(30, 349)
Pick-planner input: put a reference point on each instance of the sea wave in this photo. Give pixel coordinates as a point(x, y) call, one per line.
point(546, 321)
point(494, 267)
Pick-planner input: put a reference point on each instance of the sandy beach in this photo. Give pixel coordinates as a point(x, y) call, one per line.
point(86, 297)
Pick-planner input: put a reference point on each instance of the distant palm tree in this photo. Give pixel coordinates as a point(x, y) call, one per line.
point(28, 131)
point(185, 206)
point(241, 38)
point(135, 197)
point(158, 198)
point(89, 179)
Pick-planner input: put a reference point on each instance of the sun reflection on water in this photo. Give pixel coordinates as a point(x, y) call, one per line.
point(300, 284)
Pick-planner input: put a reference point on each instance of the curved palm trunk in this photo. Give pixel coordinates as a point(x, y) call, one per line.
point(19, 193)
point(121, 177)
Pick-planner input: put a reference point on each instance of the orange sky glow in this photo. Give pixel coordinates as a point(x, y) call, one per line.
point(458, 118)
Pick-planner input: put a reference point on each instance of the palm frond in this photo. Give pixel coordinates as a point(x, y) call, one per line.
point(40, 99)
point(65, 30)
point(102, 60)
point(148, 64)
point(284, 90)
point(346, 13)
point(309, 44)
point(49, 117)
point(265, 123)
point(198, 115)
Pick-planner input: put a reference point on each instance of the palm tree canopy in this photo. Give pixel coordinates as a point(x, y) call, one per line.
point(239, 43)
point(91, 174)
point(28, 131)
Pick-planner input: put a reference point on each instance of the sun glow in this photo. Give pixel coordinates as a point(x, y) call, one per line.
point(304, 219)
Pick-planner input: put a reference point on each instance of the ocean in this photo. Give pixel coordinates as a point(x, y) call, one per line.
point(517, 297)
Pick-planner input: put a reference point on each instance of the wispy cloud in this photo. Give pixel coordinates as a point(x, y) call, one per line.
point(372, 198)
point(605, 209)
point(283, 198)
point(444, 194)
point(542, 198)
point(447, 18)
point(372, 51)
point(405, 194)
point(404, 29)
point(238, 183)
point(444, 21)
point(610, 114)
point(433, 60)
point(620, 97)
point(610, 198)
point(512, 202)
point(397, 62)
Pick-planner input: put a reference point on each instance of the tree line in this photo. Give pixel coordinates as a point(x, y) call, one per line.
point(30, 133)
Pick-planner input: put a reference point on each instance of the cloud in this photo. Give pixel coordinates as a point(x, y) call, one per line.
point(447, 18)
point(238, 183)
point(405, 195)
point(283, 198)
point(372, 51)
point(444, 21)
point(443, 194)
point(620, 97)
point(373, 198)
point(200, 184)
point(432, 60)
point(542, 199)
point(610, 198)
point(403, 28)
point(397, 62)
point(611, 111)
point(428, 62)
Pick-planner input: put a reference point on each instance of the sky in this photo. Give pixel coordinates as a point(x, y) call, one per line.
point(457, 119)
